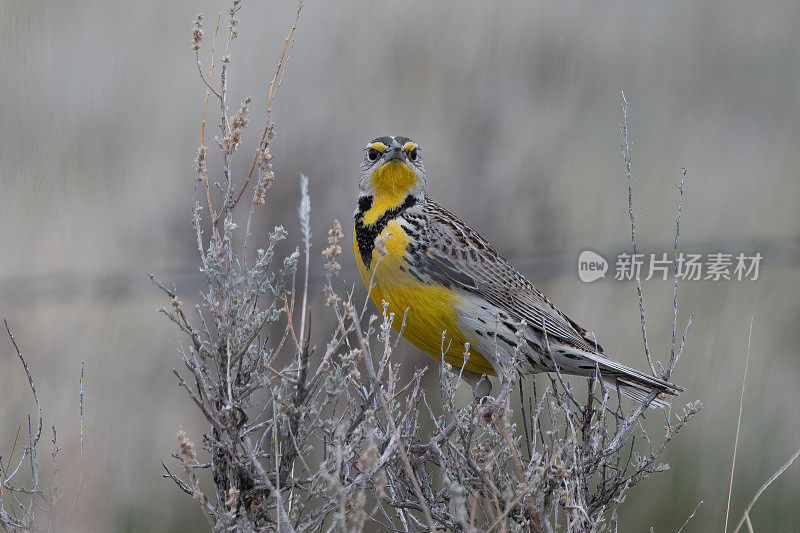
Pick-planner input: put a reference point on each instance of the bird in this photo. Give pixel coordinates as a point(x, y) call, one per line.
point(454, 296)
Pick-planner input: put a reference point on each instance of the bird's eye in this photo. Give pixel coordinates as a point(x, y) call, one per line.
point(372, 154)
point(412, 155)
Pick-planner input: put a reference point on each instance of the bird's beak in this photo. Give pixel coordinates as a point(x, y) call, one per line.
point(395, 153)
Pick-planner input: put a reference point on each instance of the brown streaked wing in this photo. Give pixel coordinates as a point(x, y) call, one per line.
point(459, 255)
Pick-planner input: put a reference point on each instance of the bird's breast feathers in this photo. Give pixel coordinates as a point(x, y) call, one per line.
point(431, 312)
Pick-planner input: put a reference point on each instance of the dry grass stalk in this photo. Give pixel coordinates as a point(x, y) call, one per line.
point(27, 503)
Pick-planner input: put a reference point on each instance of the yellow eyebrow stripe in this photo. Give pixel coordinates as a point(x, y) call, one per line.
point(409, 146)
point(379, 146)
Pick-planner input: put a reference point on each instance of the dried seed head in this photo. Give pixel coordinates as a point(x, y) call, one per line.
point(238, 123)
point(333, 250)
point(264, 158)
point(202, 166)
point(240, 120)
point(334, 267)
point(186, 449)
point(380, 244)
point(330, 254)
point(335, 233)
point(263, 185)
point(266, 176)
point(331, 298)
point(348, 309)
point(234, 31)
point(197, 31)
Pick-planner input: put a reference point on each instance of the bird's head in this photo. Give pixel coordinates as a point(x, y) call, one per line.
point(392, 167)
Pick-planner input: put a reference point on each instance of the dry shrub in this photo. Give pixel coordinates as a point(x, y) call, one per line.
point(333, 437)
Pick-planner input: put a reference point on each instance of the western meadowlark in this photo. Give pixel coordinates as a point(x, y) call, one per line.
point(454, 288)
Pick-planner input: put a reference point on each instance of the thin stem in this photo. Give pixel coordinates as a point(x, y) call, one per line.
point(738, 426)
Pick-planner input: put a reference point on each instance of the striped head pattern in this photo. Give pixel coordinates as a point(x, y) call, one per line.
point(392, 169)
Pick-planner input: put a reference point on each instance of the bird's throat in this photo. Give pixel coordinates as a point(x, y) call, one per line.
point(391, 184)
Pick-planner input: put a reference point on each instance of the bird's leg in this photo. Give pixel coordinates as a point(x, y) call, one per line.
point(481, 386)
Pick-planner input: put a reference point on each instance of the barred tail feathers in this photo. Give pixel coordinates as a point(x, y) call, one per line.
point(633, 383)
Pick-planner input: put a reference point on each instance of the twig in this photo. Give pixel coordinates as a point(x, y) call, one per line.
point(626, 154)
point(776, 475)
point(673, 357)
point(691, 515)
point(273, 88)
point(80, 478)
point(209, 89)
point(738, 426)
point(35, 440)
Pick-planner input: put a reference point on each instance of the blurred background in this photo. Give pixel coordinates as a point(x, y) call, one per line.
point(516, 107)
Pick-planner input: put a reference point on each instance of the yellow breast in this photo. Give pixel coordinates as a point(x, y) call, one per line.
point(429, 309)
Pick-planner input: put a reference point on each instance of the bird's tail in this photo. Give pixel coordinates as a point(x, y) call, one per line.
point(631, 382)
